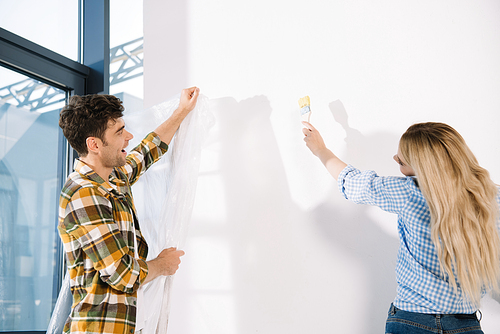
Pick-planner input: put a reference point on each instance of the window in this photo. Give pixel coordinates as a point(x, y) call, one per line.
point(51, 23)
point(30, 178)
point(34, 162)
point(126, 58)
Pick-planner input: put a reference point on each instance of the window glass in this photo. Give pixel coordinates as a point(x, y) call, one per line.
point(126, 62)
point(50, 23)
point(30, 181)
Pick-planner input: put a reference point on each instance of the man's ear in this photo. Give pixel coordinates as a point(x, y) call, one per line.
point(93, 144)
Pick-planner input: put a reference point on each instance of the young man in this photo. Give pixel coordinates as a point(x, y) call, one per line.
point(97, 222)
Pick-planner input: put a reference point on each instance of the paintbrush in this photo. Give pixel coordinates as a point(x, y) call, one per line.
point(305, 108)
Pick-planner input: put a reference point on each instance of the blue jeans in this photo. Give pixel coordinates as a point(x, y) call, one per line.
point(403, 322)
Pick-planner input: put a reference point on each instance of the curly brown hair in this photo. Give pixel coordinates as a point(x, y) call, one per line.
point(88, 116)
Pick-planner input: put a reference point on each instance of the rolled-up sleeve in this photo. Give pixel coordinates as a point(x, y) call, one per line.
point(366, 187)
point(149, 150)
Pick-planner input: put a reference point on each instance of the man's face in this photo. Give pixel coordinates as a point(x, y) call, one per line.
point(116, 138)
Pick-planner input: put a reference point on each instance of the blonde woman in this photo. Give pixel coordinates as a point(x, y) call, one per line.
point(447, 208)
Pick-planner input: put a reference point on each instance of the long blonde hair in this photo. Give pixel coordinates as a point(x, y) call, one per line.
point(462, 202)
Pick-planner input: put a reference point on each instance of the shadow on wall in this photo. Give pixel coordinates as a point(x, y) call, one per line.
point(496, 296)
point(351, 228)
point(260, 215)
point(263, 223)
point(269, 286)
point(374, 152)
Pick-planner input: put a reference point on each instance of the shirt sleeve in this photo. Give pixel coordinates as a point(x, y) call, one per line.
point(389, 193)
point(149, 151)
point(89, 220)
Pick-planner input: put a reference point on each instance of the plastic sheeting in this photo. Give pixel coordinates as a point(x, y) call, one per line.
point(164, 195)
point(62, 308)
point(164, 198)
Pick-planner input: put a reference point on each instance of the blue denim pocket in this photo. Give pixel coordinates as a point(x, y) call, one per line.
point(399, 321)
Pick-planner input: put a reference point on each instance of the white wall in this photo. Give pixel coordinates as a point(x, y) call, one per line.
point(273, 247)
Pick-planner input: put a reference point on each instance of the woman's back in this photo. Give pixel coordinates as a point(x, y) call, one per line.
point(463, 204)
point(422, 286)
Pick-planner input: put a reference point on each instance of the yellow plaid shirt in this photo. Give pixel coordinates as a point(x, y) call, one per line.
point(96, 226)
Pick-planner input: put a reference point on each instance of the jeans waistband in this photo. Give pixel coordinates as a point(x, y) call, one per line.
point(477, 314)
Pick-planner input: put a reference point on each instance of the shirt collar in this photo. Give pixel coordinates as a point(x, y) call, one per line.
point(112, 184)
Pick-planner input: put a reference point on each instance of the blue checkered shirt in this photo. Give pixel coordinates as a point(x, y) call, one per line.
point(421, 285)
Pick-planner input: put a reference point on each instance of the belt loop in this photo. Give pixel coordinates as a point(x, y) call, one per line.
point(480, 315)
point(438, 323)
point(393, 309)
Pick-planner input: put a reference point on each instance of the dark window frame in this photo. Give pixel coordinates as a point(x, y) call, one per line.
point(37, 62)
point(91, 77)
